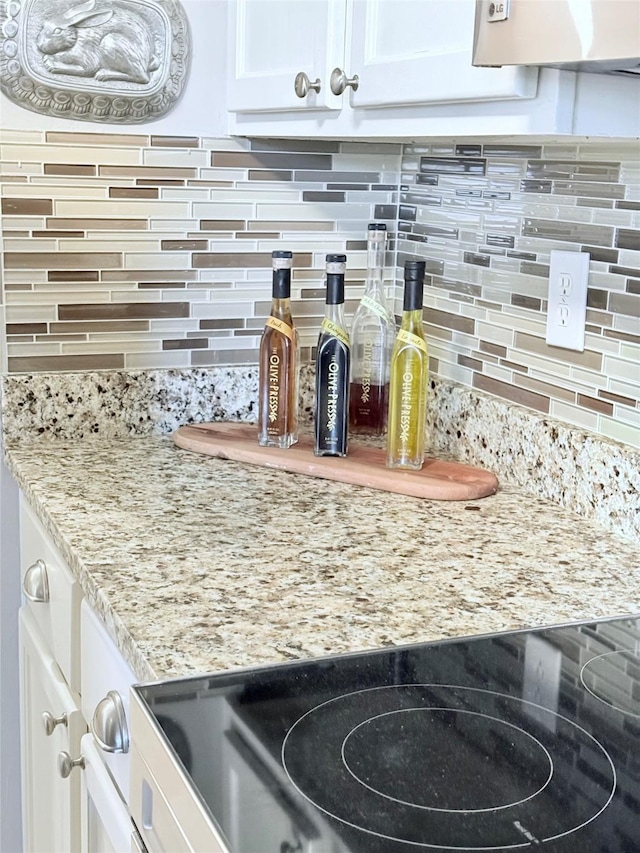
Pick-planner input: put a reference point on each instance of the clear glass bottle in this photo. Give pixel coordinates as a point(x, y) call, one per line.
point(279, 363)
point(332, 368)
point(372, 335)
point(409, 377)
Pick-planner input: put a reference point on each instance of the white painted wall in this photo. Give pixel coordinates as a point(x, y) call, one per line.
point(10, 825)
point(10, 805)
point(201, 111)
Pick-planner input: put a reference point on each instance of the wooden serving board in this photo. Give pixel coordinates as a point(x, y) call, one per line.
point(364, 466)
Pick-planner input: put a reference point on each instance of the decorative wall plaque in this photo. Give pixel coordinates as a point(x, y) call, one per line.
point(117, 61)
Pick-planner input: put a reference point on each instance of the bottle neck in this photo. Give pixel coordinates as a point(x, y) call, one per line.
point(375, 266)
point(335, 313)
point(281, 284)
point(335, 288)
point(412, 321)
point(281, 308)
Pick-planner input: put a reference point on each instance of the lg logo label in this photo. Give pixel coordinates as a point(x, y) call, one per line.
point(498, 11)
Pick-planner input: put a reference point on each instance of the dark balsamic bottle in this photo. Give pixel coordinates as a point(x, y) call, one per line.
point(333, 363)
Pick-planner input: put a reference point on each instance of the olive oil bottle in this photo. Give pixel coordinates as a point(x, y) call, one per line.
point(279, 364)
point(332, 368)
point(409, 376)
point(372, 335)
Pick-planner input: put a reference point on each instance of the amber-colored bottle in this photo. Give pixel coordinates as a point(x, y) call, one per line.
point(409, 377)
point(279, 363)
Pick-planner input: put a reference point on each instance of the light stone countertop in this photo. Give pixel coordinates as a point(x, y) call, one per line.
point(198, 564)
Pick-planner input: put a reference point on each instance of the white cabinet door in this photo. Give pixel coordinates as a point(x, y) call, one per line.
point(419, 52)
point(51, 804)
point(272, 41)
point(106, 825)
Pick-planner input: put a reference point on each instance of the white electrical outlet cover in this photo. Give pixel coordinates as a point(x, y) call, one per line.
point(567, 310)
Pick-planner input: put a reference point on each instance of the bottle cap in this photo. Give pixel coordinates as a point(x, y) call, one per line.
point(413, 285)
point(281, 260)
point(414, 270)
point(376, 232)
point(336, 264)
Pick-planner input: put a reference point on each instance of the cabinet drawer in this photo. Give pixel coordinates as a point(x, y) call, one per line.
point(51, 594)
point(51, 803)
point(103, 671)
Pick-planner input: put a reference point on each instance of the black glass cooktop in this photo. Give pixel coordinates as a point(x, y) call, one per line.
point(519, 741)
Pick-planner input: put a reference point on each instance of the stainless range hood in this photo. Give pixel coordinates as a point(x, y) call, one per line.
point(579, 35)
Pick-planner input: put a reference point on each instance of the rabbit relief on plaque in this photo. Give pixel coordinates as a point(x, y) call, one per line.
point(123, 61)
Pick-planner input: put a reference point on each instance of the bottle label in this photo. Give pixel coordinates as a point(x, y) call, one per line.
point(414, 340)
point(376, 307)
point(279, 326)
point(331, 328)
point(406, 407)
point(274, 387)
point(367, 351)
point(332, 397)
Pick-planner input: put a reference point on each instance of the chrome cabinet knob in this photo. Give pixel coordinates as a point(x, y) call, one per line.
point(303, 85)
point(50, 722)
point(339, 81)
point(109, 724)
point(36, 583)
point(66, 764)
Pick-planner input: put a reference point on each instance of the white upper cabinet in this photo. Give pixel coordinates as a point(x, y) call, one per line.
point(409, 52)
point(274, 41)
point(400, 51)
point(400, 69)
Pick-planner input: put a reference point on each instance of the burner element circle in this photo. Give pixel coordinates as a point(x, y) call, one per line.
point(396, 755)
point(606, 676)
point(320, 758)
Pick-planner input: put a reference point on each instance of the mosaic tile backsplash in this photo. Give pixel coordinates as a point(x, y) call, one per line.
point(485, 218)
point(128, 252)
point(145, 252)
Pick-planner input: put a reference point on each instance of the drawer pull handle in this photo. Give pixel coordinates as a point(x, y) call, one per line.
point(109, 724)
point(303, 85)
point(50, 722)
point(66, 764)
point(36, 584)
point(339, 81)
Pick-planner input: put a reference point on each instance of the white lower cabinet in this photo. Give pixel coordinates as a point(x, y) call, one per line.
point(51, 803)
point(74, 702)
point(105, 683)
